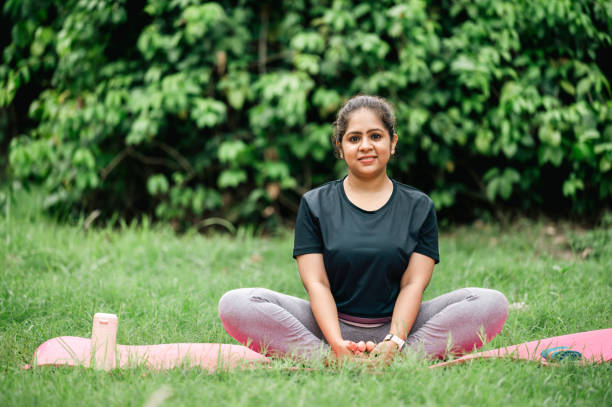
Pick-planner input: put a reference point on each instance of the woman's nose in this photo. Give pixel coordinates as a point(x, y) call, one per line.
point(365, 144)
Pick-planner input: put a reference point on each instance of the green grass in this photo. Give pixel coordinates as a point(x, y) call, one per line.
point(165, 288)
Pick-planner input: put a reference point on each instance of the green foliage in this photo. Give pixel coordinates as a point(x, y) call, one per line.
point(155, 106)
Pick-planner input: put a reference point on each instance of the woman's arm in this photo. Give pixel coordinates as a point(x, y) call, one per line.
point(412, 285)
point(314, 278)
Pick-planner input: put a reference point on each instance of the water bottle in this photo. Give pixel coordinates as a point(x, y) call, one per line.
point(104, 341)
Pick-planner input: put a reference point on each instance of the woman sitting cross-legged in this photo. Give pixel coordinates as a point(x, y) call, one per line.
point(366, 246)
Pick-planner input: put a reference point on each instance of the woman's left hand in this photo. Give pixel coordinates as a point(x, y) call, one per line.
point(386, 351)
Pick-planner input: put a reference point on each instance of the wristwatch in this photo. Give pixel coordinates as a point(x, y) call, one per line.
point(396, 339)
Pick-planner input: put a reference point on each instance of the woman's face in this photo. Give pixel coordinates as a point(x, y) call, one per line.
point(366, 147)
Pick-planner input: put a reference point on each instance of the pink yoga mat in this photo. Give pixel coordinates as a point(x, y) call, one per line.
point(595, 347)
point(75, 351)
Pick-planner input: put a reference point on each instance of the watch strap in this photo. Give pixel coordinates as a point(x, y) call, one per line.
point(395, 339)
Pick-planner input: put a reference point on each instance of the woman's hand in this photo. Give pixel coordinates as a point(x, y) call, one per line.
point(386, 351)
point(344, 349)
point(360, 347)
point(369, 346)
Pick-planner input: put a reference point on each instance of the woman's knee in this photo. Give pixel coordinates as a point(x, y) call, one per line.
point(494, 306)
point(241, 302)
point(498, 303)
point(232, 303)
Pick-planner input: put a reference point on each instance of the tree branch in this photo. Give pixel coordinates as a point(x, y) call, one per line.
point(129, 151)
point(271, 58)
point(178, 157)
point(114, 162)
point(288, 203)
point(152, 160)
point(262, 47)
point(483, 196)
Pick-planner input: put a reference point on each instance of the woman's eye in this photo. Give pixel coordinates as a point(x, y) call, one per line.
point(376, 136)
point(354, 139)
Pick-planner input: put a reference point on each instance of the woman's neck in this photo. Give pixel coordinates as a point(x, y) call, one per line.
point(368, 185)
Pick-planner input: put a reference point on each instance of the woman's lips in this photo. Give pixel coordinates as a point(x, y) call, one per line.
point(367, 160)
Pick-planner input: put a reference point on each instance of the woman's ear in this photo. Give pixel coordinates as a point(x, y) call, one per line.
point(339, 149)
point(393, 143)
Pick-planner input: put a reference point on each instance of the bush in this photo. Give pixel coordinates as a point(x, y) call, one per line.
point(209, 110)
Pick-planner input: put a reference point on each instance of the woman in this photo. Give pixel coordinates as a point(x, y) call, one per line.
point(366, 247)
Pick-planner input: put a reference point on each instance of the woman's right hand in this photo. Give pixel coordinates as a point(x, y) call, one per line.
point(344, 349)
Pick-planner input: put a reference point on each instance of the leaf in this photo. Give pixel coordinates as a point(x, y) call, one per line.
point(554, 155)
point(437, 66)
point(157, 184)
point(307, 63)
point(501, 183)
point(483, 140)
point(328, 100)
point(463, 63)
point(568, 87)
point(198, 201)
point(572, 185)
point(231, 178)
point(229, 151)
point(492, 188)
point(605, 164)
point(142, 129)
point(275, 170)
point(583, 86)
point(236, 98)
point(602, 147)
point(311, 42)
point(549, 136)
point(237, 88)
point(83, 157)
point(208, 112)
point(589, 134)
point(199, 19)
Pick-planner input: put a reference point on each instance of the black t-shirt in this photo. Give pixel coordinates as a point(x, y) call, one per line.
point(366, 252)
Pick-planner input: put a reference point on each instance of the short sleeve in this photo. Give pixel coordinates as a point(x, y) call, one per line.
point(427, 243)
point(307, 232)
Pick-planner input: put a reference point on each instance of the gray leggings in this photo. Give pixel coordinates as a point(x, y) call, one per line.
point(280, 324)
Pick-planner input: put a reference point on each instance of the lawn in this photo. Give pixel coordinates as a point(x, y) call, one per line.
point(165, 288)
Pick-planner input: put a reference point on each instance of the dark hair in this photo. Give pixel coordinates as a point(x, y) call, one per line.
point(375, 104)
